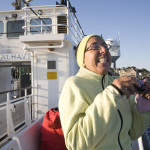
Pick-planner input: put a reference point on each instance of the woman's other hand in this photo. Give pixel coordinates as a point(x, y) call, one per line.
point(126, 85)
point(146, 93)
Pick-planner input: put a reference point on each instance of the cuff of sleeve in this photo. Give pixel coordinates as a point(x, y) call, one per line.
point(117, 89)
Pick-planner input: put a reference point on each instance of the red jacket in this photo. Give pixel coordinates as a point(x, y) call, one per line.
point(52, 137)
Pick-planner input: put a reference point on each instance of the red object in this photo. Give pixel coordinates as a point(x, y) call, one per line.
point(52, 137)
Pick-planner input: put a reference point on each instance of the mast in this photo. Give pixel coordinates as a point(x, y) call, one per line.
point(19, 4)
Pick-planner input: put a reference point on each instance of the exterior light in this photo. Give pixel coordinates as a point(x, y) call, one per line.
point(40, 12)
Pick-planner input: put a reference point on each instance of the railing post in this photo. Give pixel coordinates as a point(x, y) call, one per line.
point(55, 27)
point(141, 147)
point(25, 19)
point(76, 30)
point(27, 114)
point(81, 35)
point(30, 107)
point(10, 125)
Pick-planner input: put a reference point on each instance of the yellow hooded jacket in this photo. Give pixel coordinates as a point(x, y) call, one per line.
point(94, 116)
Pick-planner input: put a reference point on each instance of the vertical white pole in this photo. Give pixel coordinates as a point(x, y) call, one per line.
point(55, 23)
point(119, 38)
point(33, 79)
point(26, 19)
point(141, 147)
point(10, 125)
point(27, 114)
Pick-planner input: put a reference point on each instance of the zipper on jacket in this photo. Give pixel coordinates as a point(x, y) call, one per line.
point(120, 129)
point(102, 82)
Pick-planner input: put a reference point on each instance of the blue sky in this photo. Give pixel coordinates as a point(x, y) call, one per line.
point(108, 17)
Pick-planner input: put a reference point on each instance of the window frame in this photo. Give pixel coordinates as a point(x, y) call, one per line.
point(1, 33)
point(17, 34)
point(41, 28)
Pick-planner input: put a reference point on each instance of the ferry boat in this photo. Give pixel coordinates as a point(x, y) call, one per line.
point(37, 55)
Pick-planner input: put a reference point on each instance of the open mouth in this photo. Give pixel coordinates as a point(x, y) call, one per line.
point(102, 60)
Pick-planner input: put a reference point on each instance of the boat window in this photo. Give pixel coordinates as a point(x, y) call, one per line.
point(1, 28)
point(51, 65)
point(41, 25)
point(14, 28)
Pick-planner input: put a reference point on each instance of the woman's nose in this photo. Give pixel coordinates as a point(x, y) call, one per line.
point(103, 49)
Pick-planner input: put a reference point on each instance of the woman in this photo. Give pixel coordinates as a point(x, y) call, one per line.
point(96, 111)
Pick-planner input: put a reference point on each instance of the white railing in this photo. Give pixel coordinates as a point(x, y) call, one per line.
point(53, 11)
point(15, 114)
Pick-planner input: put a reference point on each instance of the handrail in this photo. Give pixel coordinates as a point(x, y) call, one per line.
point(15, 90)
point(73, 26)
point(43, 16)
point(55, 25)
point(45, 6)
point(10, 107)
point(77, 22)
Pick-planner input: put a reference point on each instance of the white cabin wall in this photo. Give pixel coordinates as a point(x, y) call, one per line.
point(40, 85)
point(47, 91)
point(10, 46)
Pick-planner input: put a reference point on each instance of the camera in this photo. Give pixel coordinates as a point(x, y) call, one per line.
point(141, 88)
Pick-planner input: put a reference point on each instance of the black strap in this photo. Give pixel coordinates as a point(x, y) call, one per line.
point(102, 82)
point(117, 89)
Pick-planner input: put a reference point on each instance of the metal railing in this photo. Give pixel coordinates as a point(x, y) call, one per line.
point(15, 115)
point(53, 11)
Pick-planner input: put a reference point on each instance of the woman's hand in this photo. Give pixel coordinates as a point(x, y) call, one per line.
point(146, 93)
point(126, 85)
